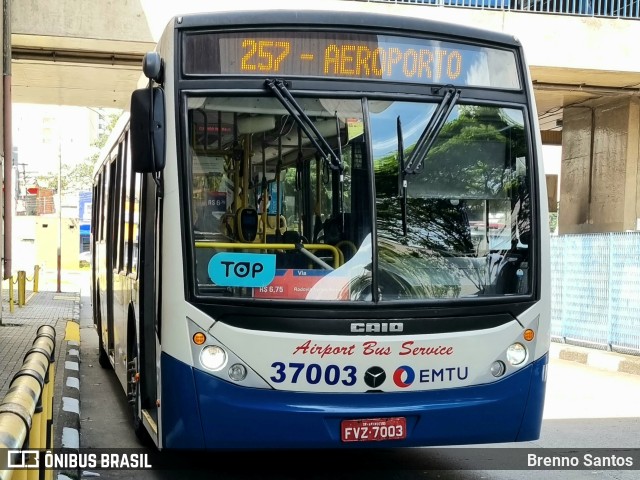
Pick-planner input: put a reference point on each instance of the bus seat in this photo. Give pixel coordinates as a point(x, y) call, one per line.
point(291, 258)
point(336, 228)
point(291, 236)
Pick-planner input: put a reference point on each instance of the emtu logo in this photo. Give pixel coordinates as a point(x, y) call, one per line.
point(404, 376)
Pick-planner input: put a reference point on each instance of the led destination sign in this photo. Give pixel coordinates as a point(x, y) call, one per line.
point(343, 55)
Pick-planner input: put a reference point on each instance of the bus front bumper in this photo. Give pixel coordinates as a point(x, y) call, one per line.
point(200, 411)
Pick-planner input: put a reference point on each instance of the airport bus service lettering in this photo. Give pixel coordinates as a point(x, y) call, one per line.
point(371, 347)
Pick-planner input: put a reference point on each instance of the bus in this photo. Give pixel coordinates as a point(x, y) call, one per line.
point(325, 229)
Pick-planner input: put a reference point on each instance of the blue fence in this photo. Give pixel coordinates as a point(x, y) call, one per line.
point(593, 8)
point(595, 285)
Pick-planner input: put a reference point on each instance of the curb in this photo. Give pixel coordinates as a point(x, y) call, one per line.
point(604, 360)
point(68, 419)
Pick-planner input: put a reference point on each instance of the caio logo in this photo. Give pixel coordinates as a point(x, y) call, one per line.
point(377, 327)
point(229, 269)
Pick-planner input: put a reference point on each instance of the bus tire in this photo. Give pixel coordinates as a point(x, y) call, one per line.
point(103, 356)
point(133, 394)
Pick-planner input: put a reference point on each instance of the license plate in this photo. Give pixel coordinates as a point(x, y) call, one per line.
point(373, 429)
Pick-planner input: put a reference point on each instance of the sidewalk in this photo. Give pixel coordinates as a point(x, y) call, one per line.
point(18, 332)
point(604, 360)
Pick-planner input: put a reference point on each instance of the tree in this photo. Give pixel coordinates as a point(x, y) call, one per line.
point(101, 141)
point(73, 178)
point(79, 176)
point(426, 239)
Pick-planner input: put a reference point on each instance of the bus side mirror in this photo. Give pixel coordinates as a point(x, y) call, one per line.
point(147, 130)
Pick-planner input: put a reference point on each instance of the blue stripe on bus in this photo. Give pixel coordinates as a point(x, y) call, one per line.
point(226, 416)
point(180, 404)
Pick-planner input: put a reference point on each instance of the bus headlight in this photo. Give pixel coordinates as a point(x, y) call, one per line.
point(213, 357)
point(516, 354)
point(237, 372)
point(498, 368)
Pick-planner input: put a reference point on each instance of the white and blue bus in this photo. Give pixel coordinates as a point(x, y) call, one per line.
point(321, 229)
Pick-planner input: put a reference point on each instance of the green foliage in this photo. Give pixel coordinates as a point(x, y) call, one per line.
point(473, 149)
point(73, 178)
point(553, 221)
point(101, 141)
point(464, 160)
point(474, 160)
point(79, 177)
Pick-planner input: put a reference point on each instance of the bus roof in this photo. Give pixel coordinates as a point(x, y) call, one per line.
point(287, 18)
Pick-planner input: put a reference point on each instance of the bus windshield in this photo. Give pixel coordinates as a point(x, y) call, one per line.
point(271, 218)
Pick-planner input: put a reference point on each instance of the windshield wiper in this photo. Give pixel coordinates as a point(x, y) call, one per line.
point(282, 93)
point(431, 131)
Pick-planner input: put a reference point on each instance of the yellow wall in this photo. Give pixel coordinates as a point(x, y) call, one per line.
point(47, 240)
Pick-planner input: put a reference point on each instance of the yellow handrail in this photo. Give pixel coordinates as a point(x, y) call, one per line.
point(338, 258)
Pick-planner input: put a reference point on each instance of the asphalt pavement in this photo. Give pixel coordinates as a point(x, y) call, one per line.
point(62, 311)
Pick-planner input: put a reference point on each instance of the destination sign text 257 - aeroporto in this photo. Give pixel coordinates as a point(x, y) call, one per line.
point(344, 55)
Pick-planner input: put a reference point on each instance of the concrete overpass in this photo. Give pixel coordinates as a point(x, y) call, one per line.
point(73, 52)
point(586, 73)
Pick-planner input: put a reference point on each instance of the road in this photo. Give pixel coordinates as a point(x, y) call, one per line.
point(585, 408)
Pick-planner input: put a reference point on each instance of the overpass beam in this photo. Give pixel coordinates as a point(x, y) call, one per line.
point(600, 181)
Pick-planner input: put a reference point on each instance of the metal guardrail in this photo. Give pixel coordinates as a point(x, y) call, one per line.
point(595, 280)
point(26, 413)
point(593, 8)
point(21, 281)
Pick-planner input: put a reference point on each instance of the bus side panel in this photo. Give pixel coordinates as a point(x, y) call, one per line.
point(119, 309)
point(234, 417)
point(532, 420)
point(101, 295)
point(181, 424)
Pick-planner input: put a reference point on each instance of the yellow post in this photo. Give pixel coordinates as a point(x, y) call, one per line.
point(48, 442)
point(36, 276)
point(19, 474)
point(45, 415)
point(11, 294)
point(44, 423)
point(22, 281)
point(34, 438)
point(50, 379)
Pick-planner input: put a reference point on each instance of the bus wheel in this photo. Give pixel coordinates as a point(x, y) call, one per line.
point(103, 357)
point(133, 395)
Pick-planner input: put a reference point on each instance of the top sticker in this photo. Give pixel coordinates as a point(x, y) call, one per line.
point(230, 269)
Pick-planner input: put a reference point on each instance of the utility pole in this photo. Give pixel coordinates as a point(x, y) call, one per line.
point(1, 170)
point(6, 150)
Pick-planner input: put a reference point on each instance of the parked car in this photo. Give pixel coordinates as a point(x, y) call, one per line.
point(85, 257)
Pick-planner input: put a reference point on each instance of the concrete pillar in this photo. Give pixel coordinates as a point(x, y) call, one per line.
point(2, 159)
point(600, 182)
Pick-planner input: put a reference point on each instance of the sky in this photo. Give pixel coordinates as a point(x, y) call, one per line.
point(47, 135)
point(38, 129)
point(551, 156)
